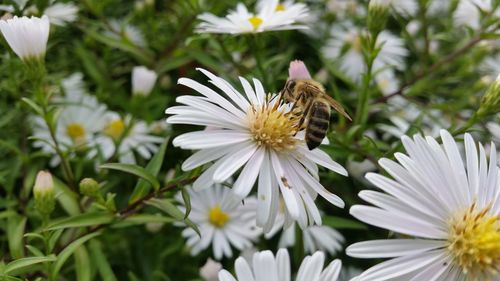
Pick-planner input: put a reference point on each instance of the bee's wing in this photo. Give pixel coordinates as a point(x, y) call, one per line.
point(337, 106)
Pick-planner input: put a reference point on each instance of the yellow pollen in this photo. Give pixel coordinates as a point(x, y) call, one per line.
point(272, 128)
point(115, 129)
point(217, 217)
point(356, 43)
point(255, 21)
point(76, 132)
point(474, 242)
point(280, 7)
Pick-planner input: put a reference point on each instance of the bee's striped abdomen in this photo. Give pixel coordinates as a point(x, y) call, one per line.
point(318, 123)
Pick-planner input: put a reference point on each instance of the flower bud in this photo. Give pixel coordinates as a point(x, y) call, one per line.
point(490, 103)
point(44, 193)
point(209, 272)
point(378, 12)
point(143, 80)
point(89, 187)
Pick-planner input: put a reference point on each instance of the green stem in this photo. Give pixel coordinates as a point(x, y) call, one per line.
point(257, 52)
point(471, 122)
point(238, 66)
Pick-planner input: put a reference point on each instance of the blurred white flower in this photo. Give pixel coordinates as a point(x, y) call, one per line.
point(119, 29)
point(491, 65)
point(255, 133)
point(80, 118)
point(143, 80)
point(266, 267)
point(26, 36)
point(445, 207)
point(129, 135)
point(386, 81)
point(437, 7)
point(345, 8)
point(272, 15)
point(223, 220)
point(468, 12)
point(62, 13)
point(210, 270)
point(404, 8)
point(345, 47)
point(358, 169)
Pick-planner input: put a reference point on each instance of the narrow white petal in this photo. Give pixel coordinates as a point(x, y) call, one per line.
point(391, 248)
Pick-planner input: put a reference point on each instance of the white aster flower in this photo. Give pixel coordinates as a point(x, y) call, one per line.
point(124, 136)
point(266, 267)
point(119, 29)
point(62, 13)
point(386, 81)
point(143, 80)
point(272, 15)
point(345, 8)
point(27, 36)
point(468, 12)
point(255, 133)
point(223, 221)
point(444, 206)
point(406, 7)
point(345, 46)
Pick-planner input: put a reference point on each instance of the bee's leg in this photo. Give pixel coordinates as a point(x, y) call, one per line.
point(307, 109)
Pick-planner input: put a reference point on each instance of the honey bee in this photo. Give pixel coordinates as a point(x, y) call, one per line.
point(312, 104)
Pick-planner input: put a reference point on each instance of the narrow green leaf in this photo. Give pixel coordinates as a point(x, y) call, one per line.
point(83, 220)
point(66, 197)
point(169, 208)
point(343, 223)
point(83, 266)
point(54, 237)
point(68, 251)
point(7, 214)
point(15, 234)
point(101, 262)
point(142, 187)
point(187, 202)
point(35, 251)
point(33, 106)
point(135, 170)
point(142, 219)
point(26, 262)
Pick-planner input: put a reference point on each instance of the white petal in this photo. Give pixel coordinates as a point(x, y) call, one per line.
point(392, 248)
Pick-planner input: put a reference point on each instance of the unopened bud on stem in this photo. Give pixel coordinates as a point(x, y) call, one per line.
point(44, 193)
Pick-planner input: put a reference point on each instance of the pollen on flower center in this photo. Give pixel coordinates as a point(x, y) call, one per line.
point(75, 131)
point(115, 129)
point(280, 7)
point(217, 217)
point(272, 128)
point(474, 242)
point(255, 21)
point(356, 43)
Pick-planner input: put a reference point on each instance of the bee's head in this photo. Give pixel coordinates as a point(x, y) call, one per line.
point(290, 85)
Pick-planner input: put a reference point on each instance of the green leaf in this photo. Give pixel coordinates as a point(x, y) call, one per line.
point(33, 106)
point(83, 266)
point(187, 202)
point(343, 223)
point(142, 219)
point(169, 208)
point(7, 214)
point(66, 197)
point(88, 219)
point(26, 262)
point(142, 187)
point(101, 262)
point(68, 251)
point(135, 170)
point(35, 251)
point(15, 234)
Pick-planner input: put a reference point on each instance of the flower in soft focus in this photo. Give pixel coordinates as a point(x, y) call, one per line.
point(43, 192)
point(62, 13)
point(119, 29)
point(406, 7)
point(468, 12)
point(266, 267)
point(223, 221)
point(272, 15)
point(27, 36)
point(444, 209)
point(386, 81)
point(345, 8)
point(210, 270)
point(123, 136)
point(345, 47)
point(81, 116)
point(255, 133)
point(143, 80)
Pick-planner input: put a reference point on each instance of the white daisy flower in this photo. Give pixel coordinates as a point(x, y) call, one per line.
point(80, 118)
point(345, 8)
point(253, 132)
point(345, 46)
point(143, 80)
point(386, 81)
point(468, 12)
point(266, 267)
point(272, 15)
point(26, 36)
point(407, 7)
point(444, 206)
point(62, 13)
point(119, 29)
point(123, 136)
point(223, 220)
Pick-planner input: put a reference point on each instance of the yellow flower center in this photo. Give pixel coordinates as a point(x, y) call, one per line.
point(356, 43)
point(383, 84)
point(474, 242)
point(217, 217)
point(272, 128)
point(255, 21)
point(280, 7)
point(115, 129)
point(76, 132)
